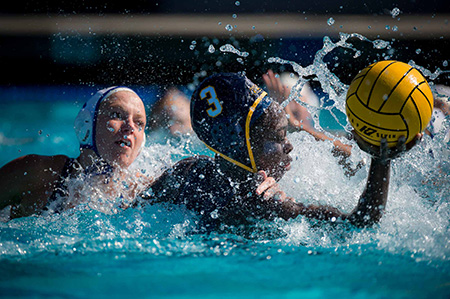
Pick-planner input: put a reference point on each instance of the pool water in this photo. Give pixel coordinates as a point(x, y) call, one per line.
point(156, 252)
point(94, 250)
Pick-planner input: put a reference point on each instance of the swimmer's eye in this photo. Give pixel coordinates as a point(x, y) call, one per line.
point(140, 125)
point(116, 115)
point(280, 136)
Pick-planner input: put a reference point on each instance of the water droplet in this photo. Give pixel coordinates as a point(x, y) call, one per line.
point(445, 63)
point(234, 16)
point(231, 49)
point(418, 51)
point(229, 27)
point(201, 176)
point(395, 28)
point(214, 214)
point(297, 180)
point(220, 23)
point(370, 27)
point(395, 12)
point(192, 47)
point(25, 173)
point(380, 44)
point(253, 27)
point(387, 27)
point(330, 21)
point(237, 3)
point(211, 49)
point(40, 132)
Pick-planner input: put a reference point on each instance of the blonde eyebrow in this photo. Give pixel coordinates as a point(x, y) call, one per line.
point(141, 115)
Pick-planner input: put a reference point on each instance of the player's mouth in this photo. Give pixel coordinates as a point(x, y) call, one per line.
point(125, 143)
point(287, 163)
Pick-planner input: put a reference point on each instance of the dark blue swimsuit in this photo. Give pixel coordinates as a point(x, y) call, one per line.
point(199, 183)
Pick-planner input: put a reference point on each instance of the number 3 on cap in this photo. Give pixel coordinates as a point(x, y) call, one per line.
point(209, 93)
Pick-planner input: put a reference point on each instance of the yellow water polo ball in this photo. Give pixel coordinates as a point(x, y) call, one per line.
point(389, 99)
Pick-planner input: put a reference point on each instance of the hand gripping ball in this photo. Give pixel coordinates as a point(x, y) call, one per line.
point(389, 99)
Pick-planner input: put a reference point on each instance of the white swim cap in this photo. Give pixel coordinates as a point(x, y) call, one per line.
point(86, 119)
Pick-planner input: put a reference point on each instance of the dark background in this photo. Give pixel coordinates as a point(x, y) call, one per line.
point(134, 59)
point(214, 7)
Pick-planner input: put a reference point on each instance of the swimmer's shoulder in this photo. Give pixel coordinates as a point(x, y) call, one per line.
point(34, 167)
point(27, 181)
point(187, 165)
point(183, 171)
point(197, 159)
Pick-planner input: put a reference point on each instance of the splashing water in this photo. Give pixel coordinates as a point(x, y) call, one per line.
point(416, 225)
point(425, 239)
point(160, 246)
point(427, 73)
point(395, 12)
point(330, 21)
point(230, 49)
point(329, 82)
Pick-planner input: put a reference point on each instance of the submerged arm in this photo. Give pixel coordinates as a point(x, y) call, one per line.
point(27, 182)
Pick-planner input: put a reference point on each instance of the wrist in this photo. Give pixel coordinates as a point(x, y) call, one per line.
point(381, 161)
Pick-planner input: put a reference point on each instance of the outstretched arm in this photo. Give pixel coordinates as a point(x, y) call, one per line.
point(373, 200)
point(374, 197)
point(299, 116)
point(442, 104)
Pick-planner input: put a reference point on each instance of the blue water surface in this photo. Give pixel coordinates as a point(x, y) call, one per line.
point(156, 252)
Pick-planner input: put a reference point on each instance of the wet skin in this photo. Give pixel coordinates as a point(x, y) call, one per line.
point(120, 128)
point(270, 145)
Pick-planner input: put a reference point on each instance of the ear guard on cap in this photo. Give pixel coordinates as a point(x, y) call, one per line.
point(83, 126)
point(86, 120)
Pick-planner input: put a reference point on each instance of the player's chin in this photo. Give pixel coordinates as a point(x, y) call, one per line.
point(124, 160)
point(278, 173)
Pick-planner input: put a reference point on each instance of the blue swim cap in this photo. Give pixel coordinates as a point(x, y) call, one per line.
point(86, 120)
point(223, 109)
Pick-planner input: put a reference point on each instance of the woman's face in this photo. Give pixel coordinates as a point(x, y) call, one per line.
point(120, 128)
point(270, 146)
